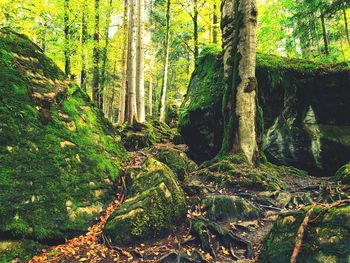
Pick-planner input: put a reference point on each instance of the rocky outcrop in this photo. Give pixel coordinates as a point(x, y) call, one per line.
point(155, 203)
point(58, 155)
point(303, 109)
point(326, 237)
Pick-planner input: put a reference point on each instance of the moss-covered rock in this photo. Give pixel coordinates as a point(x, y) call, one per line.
point(58, 155)
point(326, 237)
point(22, 249)
point(303, 109)
point(142, 135)
point(155, 203)
point(233, 172)
point(177, 160)
point(343, 174)
point(227, 208)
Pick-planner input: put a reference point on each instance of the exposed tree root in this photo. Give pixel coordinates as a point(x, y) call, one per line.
point(300, 235)
point(206, 229)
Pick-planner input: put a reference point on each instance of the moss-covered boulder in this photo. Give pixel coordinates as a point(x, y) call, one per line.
point(326, 237)
point(142, 135)
point(58, 155)
point(343, 174)
point(21, 249)
point(155, 203)
point(304, 109)
point(228, 208)
point(177, 161)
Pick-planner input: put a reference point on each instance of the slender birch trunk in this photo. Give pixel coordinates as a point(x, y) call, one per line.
point(84, 39)
point(324, 33)
point(140, 63)
point(195, 30)
point(239, 102)
point(166, 64)
point(122, 96)
point(132, 114)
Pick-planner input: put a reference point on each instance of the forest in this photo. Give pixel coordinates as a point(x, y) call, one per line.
point(175, 131)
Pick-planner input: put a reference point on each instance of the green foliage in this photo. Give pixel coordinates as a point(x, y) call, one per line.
point(45, 164)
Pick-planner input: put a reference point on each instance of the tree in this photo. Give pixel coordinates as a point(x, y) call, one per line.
point(239, 101)
point(96, 57)
point(131, 84)
point(67, 65)
point(166, 64)
point(215, 24)
point(84, 39)
point(122, 96)
point(140, 63)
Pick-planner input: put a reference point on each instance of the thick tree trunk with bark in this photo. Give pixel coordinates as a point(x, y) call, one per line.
point(140, 63)
point(96, 57)
point(122, 96)
point(239, 25)
point(67, 64)
point(166, 62)
point(132, 108)
point(84, 39)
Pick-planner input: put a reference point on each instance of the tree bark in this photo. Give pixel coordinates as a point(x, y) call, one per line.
point(239, 25)
point(132, 108)
point(215, 25)
point(67, 64)
point(122, 96)
point(346, 22)
point(150, 90)
point(96, 57)
point(166, 62)
point(324, 34)
point(84, 39)
point(195, 30)
point(140, 63)
point(105, 53)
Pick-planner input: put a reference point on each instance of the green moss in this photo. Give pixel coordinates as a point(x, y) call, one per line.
point(22, 249)
point(343, 174)
point(225, 208)
point(45, 164)
point(325, 239)
point(155, 203)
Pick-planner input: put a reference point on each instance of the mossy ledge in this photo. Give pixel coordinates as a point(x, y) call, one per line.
point(303, 111)
point(58, 154)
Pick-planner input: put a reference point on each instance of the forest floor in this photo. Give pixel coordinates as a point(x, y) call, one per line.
point(95, 247)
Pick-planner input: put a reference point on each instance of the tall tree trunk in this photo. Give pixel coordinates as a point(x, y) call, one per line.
point(67, 64)
point(105, 52)
point(150, 89)
point(324, 33)
point(140, 63)
point(111, 103)
point(239, 101)
point(346, 22)
point(215, 24)
point(122, 96)
point(132, 114)
point(195, 30)
point(84, 39)
point(166, 64)
point(96, 57)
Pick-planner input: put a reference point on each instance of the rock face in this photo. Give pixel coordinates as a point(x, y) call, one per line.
point(58, 155)
point(155, 203)
point(303, 109)
point(326, 238)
